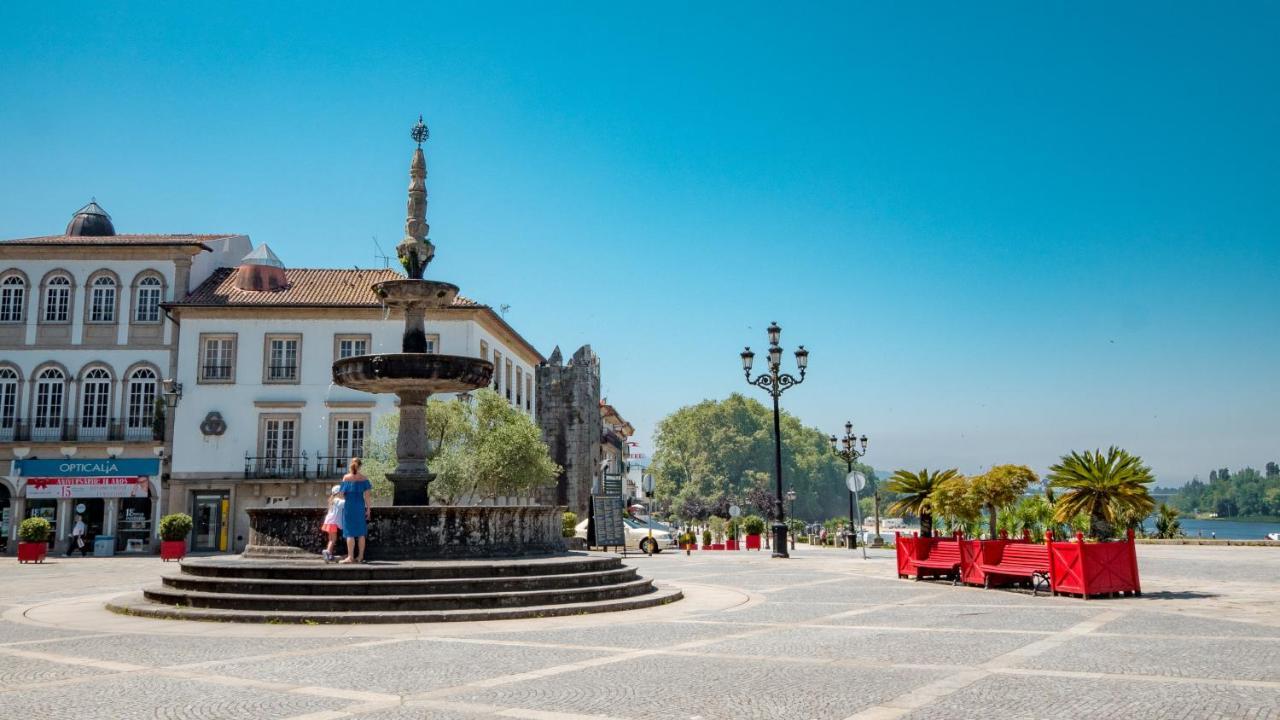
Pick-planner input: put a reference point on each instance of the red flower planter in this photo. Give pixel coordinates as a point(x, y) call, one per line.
point(753, 542)
point(730, 544)
point(32, 552)
point(1093, 569)
point(717, 546)
point(173, 549)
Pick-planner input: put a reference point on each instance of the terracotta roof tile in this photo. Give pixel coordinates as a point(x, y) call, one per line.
point(306, 287)
point(117, 240)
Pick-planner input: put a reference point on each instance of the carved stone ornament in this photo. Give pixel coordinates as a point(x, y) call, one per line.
point(213, 424)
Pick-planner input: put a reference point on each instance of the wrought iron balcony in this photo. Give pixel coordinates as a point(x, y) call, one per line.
point(280, 373)
point(215, 372)
point(91, 429)
point(275, 467)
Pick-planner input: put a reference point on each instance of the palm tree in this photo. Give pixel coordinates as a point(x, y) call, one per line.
point(1099, 485)
point(1167, 524)
point(916, 489)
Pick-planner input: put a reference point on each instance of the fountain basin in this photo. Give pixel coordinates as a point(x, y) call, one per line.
point(412, 372)
point(415, 532)
point(418, 293)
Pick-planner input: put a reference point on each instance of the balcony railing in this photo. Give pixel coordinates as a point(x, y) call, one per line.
point(77, 430)
point(273, 467)
point(282, 372)
point(331, 466)
point(215, 372)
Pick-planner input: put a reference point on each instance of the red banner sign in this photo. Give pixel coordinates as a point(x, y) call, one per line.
point(86, 487)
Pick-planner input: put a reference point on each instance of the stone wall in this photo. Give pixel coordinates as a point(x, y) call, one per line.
point(569, 415)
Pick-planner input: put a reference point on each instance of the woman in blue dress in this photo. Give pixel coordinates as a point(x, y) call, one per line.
point(355, 491)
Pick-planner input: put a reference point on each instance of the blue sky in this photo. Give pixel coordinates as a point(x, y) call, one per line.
point(1003, 231)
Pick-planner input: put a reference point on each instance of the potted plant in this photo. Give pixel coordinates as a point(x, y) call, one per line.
point(569, 525)
point(687, 542)
point(33, 540)
point(716, 525)
point(173, 536)
point(731, 535)
point(706, 539)
point(753, 525)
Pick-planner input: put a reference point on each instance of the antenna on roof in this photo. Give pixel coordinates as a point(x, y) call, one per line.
point(503, 308)
point(380, 255)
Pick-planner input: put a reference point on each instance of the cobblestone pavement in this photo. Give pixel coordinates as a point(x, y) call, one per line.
point(823, 635)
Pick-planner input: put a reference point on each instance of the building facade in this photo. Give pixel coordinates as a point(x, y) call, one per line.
point(84, 349)
point(259, 421)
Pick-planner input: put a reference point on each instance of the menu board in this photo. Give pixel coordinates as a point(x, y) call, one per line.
point(606, 513)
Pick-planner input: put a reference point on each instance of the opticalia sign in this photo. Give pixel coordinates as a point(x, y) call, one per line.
point(90, 468)
point(87, 487)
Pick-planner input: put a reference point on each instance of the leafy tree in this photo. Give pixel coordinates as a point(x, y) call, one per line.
point(1099, 485)
point(916, 494)
point(1167, 524)
point(1030, 514)
point(954, 502)
point(999, 487)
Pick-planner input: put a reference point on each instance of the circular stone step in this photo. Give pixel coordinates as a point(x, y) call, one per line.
point(264, 586)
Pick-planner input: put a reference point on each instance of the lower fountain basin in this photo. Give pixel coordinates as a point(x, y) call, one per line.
point(415, 532)
point(412, 372)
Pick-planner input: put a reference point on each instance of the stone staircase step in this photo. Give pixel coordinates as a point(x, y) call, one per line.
point(316, 570)
point(381, 587)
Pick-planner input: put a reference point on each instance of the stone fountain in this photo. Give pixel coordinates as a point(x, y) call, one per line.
point(431, 563)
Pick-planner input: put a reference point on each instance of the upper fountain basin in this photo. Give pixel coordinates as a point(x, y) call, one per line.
point(409, 292)
point(412, 372)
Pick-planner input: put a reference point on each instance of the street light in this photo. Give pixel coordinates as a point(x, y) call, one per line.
point(775, 383)
point(847, 449)
point(791, 498)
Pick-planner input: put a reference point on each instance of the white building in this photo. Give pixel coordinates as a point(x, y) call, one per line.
point(84, 346)
point(259, 420)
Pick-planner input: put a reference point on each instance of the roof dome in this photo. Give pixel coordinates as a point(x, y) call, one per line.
point(91, 221)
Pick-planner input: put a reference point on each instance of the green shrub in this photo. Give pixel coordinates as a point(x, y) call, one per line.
point(686, 538)
point(569, 525)
point(706, 537)
point(753, 525)
point(175, 527)
point(716, 526)
point(34, 530)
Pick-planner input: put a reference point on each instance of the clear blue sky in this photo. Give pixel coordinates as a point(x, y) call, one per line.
point(1004, 232)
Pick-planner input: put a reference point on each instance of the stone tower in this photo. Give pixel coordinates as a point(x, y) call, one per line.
point(569, 415)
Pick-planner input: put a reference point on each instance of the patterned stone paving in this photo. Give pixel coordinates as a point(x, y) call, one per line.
point(823, 635)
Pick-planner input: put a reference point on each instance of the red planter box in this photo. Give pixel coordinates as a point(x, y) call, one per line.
point(731, 545)
point(753, 542)
point(1091, 569)
point(905, 549)
point(717, 546)
point(32, 552)
point(173, 549)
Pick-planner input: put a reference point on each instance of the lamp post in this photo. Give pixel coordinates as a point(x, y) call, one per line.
point(791, 498)
point(775, 383)
point(847, 449)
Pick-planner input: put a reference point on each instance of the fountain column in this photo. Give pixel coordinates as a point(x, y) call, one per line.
point(411, 477)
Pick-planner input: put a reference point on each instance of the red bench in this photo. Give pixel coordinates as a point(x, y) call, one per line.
point(1012, 561)
point(934, 557)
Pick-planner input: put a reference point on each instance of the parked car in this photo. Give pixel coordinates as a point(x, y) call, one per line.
point(638, 537)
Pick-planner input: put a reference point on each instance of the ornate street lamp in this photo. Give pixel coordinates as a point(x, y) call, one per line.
point(847, 449)
point(791, 500)
point(775, 383)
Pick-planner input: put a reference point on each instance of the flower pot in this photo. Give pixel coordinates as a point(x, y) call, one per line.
point(753, 542)
point(730, 544)
point(172, 549)
point(717, 546)
point(32, 552)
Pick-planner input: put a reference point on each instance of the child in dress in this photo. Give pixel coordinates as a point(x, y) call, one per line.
point(333, 520)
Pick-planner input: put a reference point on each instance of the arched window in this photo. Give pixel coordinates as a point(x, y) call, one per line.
point(51, 386)
point(8, 403)
point(147, 307)
point(57, 299)
point(95, 404)
point(102, 307)
point(142, 400)
point(13, 293)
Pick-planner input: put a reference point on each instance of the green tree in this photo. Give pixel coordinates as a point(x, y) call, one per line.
point(1099, 485)
point(915, 492)
point(1000, 487)
point(954, 502)
point(1167, 524)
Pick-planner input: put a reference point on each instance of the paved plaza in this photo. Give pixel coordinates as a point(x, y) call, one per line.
point(823, 635)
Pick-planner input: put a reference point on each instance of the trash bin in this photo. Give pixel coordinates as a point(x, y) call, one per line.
point(104, 546)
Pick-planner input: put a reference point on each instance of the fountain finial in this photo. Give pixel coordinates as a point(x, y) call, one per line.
point(416, 251)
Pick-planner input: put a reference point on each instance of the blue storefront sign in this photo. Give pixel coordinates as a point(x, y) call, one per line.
point(120, 467)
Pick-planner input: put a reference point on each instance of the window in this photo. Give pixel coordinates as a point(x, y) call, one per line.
point(519, 387)
point(528, 392)
point(346, 346)
point(8, 402)
point(278, 437)
point(282, 358)
point(13, 292)
point(218, 361)
point(50, 390)
point(102, 307)
point(433, 343)
point(508, 381)
point(348, 440)
point(141, 407)
point(57, 300)
point(484, 350)
point(147, 307)
point(95, 403)
point(497, 371)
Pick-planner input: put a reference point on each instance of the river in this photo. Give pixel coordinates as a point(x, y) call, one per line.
point(1224, 529)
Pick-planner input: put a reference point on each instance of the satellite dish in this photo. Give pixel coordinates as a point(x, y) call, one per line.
point(855, 481)
point(647, 484)
point(734, 511)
